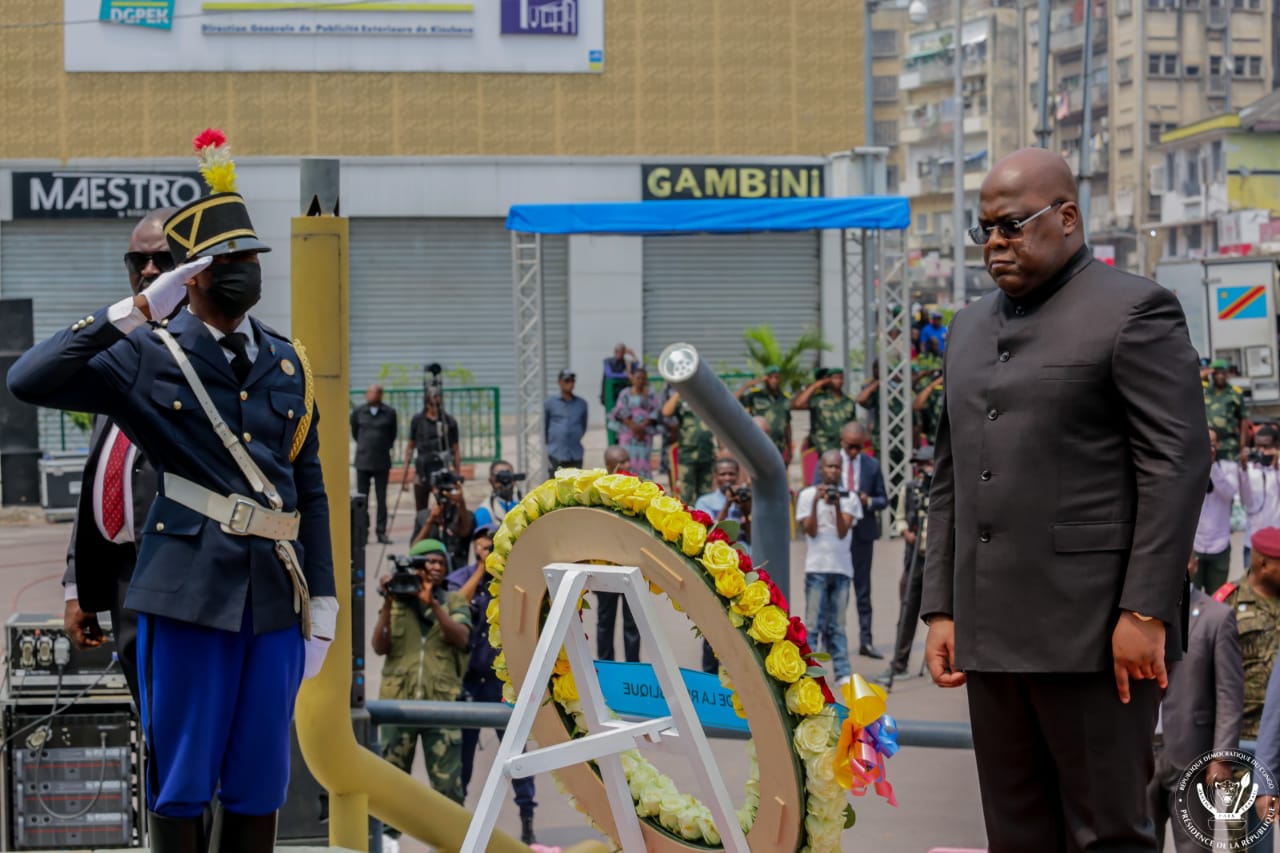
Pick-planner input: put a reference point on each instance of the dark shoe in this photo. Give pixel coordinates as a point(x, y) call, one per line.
point(176, 834)
point(239, 833)
point(526, 830)
point(891, 673)
point(384, 539)
point(869, 651)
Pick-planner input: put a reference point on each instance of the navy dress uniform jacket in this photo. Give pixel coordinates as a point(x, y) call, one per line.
point(188, 568)
point(1071, 461)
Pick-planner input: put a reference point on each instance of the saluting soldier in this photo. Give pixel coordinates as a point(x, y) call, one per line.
point(771, 403)
point(695, 449)
point(1255, 598)
point(234, 580)
point(829, 410)
point(1224, 408)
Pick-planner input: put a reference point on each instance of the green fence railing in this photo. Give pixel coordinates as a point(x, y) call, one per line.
point(477, 409)
point(733, 379)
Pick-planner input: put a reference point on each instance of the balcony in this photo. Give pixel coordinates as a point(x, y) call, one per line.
point(1072, 37)
point(939, 71)
point(933, 127)
point(940, 183)
point(1069, 103)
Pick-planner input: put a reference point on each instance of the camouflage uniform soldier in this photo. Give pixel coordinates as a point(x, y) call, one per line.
point(1224, 407)
point(425, 640)
point(829, 408)
point(772, 404)
point(928, 403)
point(1256, 602)
point(695, 449)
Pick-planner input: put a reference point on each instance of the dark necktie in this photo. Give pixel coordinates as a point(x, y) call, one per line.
point(237, 342)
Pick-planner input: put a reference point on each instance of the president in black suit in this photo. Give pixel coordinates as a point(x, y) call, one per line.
point(1201, 711)
point(1070, 466)
point(373, 428)
point(105, 532)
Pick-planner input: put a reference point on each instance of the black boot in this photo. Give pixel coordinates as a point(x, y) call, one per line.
point(526, 828)
point(176, 834)
point(239, 833)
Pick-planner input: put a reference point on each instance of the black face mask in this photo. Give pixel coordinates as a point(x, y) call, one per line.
point(236, 287)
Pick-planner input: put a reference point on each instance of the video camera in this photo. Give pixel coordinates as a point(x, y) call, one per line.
point(1257, 457)
point(507, 478)
point(432, 384)
point(739, 494)
point(405, 581)
point(833, 496)
point(444, 480)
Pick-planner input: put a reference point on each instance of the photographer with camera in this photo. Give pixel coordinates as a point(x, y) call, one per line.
point(1259, 484)
point(502, 480)
point(433, 433)
point(827, 513)
point(448, 519)
point(424, 633)
point(912, 526)
point(731, 501)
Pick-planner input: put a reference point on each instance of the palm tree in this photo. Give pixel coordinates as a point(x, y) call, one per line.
point(763, 350)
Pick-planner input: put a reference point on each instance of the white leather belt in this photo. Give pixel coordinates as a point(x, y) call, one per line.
point(237, 514)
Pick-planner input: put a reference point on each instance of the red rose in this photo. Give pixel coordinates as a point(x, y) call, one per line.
point(717, 535)
point(701, 517)
point(806, 651)
point(763, 575)
point(777, 599)
point(744, 562)
point(827, 696)
point(797, 634)
point(210, 136)
point(623, 472)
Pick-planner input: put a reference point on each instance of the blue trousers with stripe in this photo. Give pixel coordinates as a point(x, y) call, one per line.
point(216, 709)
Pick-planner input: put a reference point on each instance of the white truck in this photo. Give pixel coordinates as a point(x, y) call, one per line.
point(1231, 306)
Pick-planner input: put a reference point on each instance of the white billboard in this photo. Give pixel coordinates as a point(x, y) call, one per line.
point(516, 36)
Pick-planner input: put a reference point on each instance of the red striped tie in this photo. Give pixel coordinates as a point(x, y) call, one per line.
point(113, 487)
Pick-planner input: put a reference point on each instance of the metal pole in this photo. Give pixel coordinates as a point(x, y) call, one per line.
point(1086, 127)
point(682, 367)
point(957, 154)
point(868, 187)
point(1042, 86)
point(868, 77)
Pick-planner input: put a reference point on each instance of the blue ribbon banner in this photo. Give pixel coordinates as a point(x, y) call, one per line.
point(632, 689)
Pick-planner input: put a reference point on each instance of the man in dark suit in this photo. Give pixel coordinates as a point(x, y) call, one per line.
point(861, 475)
point(374, 428)
point(1070, 465)
point(114, 498)
point(1201, 710)
point(234, 580)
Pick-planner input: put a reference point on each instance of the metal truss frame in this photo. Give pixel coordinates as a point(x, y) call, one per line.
point(530, 361)
point(897, 391)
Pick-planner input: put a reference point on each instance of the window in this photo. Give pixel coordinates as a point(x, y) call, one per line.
point(886, 132)
point(1191, 4)
point(1255, 66)
point(1191, 70)
point(922, 223)
point(1170, 171)
point(1241, 65)
point(884, 44)
point(1216, 162)
point(1162, 64)
point(885, 88)
point(1155, 129)
point(891, 179)
point(1215, 66)
point(1162, 4)
point(1193, 171)
point(1124, 69)
point(1193, 237)
point(1124, 8)
point(1171, 244)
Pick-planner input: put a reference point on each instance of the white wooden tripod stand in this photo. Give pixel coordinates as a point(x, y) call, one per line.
point(607, 737)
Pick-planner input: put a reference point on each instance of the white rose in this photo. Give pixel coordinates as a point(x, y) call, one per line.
point(824, 836)
point(813, 736)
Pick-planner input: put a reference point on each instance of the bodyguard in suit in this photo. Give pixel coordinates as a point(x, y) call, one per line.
point(116, 492)
point(234, 582)
point(1070, 465)
point(374, 428)
point(1201, 710)
point(861, 475)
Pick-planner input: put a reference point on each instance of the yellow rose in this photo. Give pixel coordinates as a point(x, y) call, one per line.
point(693, 538)
point(719, 557)
point(654, 588)
point(500, 667)
point(731, 584)
point(753, 598)
point(737, 620)
point(737, 705)
point(495, 636)
point(613, 487)
point(502, 542)
point(673, 526)
point(516, 520)
point(784, 662)
point(805, 697)
point(562, 664)
point(495, 587)
point(769, 626)
point(815, 735)
point(584, 487)
point(491, 612)
point(529, 507)
point(659, 508)
point(637, 501)
point(545, 495)
point(564, 688)
point(495, 564)
point(509, 693)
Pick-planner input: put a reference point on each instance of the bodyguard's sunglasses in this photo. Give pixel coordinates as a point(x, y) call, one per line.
point(1010, 229)
point(137, 261)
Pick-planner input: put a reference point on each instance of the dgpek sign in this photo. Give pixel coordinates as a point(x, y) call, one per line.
point(100, 195)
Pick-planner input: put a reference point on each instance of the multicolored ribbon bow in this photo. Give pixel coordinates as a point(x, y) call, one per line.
point(867, 738)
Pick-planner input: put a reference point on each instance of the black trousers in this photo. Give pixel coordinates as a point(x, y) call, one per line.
point(862, 553)
point(553, 464)
point(910, 589)
point(124, 627)
point(379, 479)
point(1062, 765)
point(606, 617)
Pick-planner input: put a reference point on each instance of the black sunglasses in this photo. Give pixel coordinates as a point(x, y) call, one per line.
point(137, 261)
point(1010, 229)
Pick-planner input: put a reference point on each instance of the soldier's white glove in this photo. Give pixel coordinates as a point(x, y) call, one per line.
point(324, 621)
point(169, 288)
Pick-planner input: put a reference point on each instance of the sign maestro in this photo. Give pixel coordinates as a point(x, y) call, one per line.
point(100, 195)
point(668, 182)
